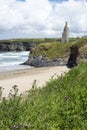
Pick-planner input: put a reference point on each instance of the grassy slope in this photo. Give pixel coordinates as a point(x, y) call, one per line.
point(60, 105)
point(53, 50)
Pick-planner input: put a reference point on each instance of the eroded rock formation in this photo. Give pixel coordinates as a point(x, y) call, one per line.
point(41, 61)
point(74, 52)
point(16, 46)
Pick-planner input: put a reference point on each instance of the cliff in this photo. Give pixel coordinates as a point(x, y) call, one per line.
point(46, 52)
point(16, 46)
point(22, 44)
point(57, 53)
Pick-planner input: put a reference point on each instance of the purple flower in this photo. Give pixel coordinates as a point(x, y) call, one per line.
point(16, 127)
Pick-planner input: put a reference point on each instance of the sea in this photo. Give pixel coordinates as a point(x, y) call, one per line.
point(10, 61)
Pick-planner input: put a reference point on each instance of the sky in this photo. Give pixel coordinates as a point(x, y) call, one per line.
point(42, 18)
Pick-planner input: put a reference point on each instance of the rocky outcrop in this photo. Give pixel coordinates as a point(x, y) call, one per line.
point(40, 61)
point(16, 46)
point(74, 52)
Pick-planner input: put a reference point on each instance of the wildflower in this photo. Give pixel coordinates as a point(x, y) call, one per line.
point(65, 98)
point(26, 126)
point(20, 124)
point(16, 127)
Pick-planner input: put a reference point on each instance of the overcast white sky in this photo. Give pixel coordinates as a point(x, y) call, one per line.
point(42, 18)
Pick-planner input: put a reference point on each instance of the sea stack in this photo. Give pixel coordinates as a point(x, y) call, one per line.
point(65, 33)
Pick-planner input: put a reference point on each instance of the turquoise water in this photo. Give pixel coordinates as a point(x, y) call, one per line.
point(12, 60)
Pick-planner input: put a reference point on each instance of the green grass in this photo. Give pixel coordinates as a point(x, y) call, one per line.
point(60, 105)
point(31, 40)
point(53, 50)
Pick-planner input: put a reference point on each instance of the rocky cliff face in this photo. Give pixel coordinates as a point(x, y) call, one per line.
point(16, 46)
point(41, 61)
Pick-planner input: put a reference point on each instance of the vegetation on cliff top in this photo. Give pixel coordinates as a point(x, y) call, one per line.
point(53, 50)
point(60, 105)
point(31, 40)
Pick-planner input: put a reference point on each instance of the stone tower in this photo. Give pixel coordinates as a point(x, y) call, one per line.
point(65, 33)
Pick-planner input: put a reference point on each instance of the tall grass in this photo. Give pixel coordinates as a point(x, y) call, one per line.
point(60, 105)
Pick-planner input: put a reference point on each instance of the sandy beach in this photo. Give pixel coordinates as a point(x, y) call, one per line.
point(25, 78)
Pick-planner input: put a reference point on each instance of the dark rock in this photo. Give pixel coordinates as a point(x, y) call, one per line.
point(40, 61)
point(16, 46)
point(73, 56)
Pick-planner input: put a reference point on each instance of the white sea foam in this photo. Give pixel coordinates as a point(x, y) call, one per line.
point(12, 60)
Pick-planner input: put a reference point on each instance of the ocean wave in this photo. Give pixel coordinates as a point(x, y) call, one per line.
point(11, 60)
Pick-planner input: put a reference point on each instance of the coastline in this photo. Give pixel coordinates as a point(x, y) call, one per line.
point(25, 78)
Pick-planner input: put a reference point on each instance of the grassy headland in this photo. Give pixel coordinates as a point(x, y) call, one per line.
point(60, 105)
point(56, 49)
point(52, 48)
